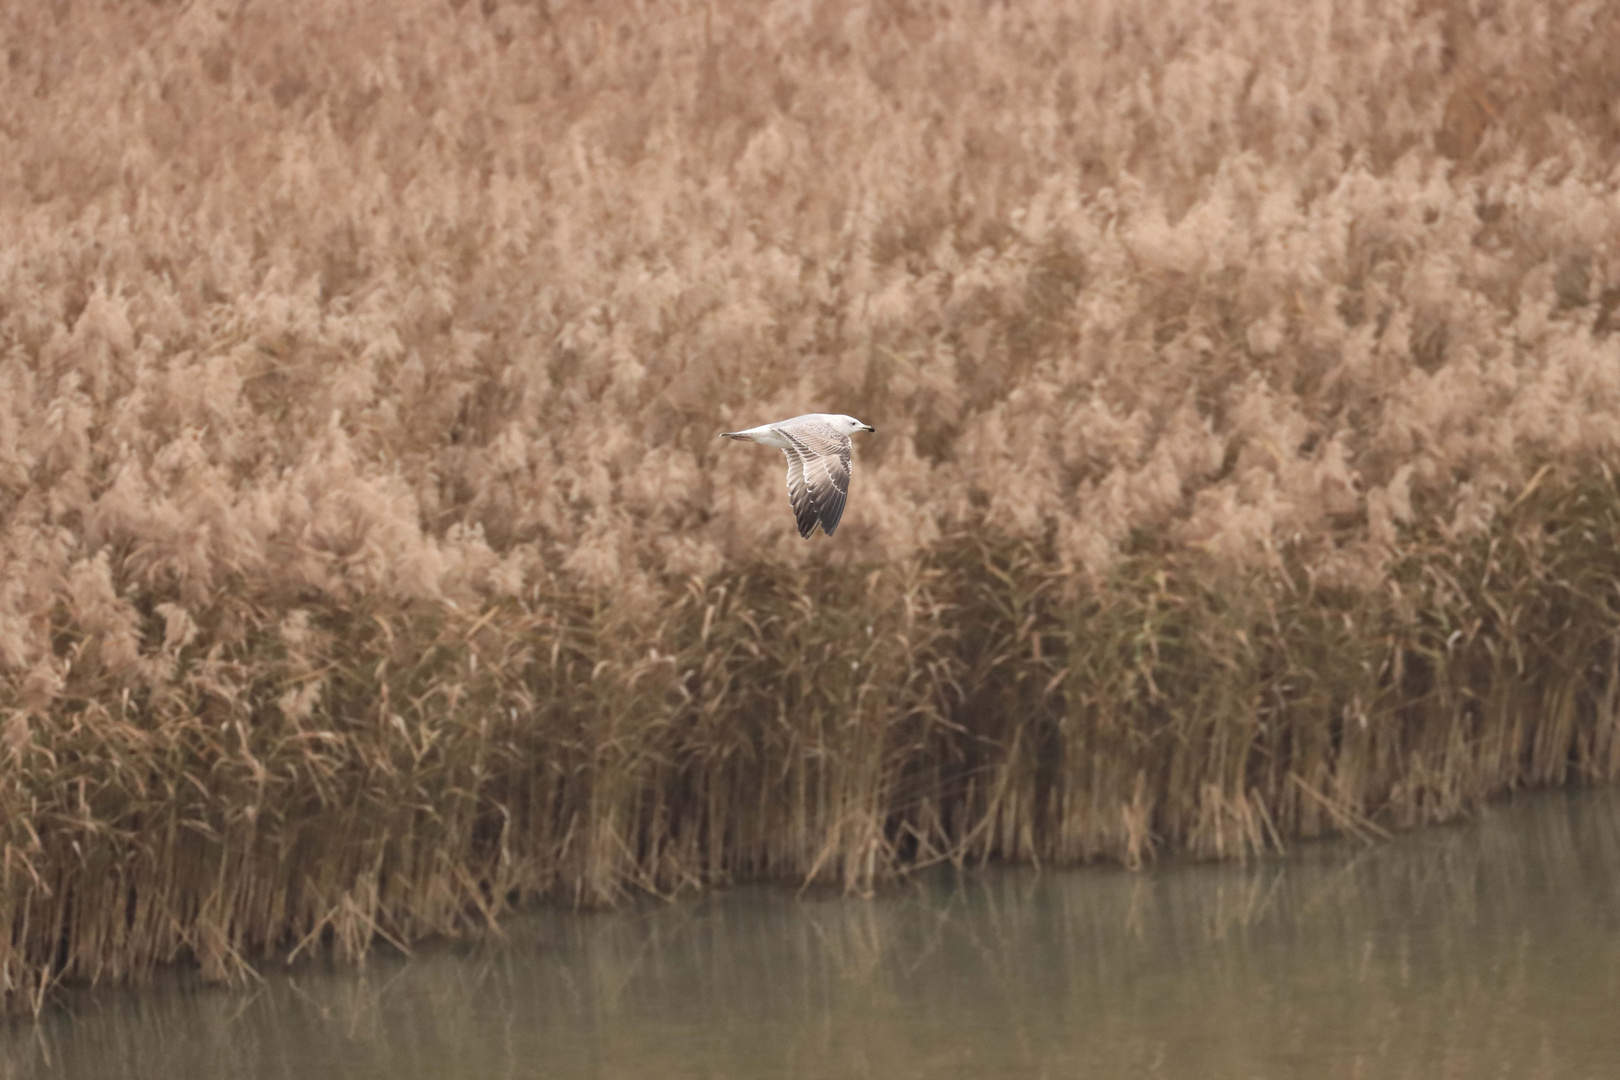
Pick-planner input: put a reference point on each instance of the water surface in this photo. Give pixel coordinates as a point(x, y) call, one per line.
point(1490, 949)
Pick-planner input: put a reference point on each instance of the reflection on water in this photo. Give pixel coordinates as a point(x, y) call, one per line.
point(1490, 949)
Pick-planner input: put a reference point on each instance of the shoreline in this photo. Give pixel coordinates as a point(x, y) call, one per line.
point(1061, 731)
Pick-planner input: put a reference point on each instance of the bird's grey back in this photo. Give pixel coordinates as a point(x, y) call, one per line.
point(816, 432)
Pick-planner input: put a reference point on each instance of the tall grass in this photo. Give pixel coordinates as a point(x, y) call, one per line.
point(1246, 382)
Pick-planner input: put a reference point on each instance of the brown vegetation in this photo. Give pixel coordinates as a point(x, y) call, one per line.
point(1245, 378)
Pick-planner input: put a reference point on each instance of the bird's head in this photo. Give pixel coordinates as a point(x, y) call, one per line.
point(849, 425)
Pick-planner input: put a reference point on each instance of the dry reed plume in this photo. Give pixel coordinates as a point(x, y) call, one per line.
point(1247, 390)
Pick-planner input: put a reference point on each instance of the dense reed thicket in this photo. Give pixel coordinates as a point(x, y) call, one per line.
point(1244, 375)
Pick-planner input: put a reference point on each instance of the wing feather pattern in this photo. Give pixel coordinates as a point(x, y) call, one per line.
point(819, 469)
point(799, 494)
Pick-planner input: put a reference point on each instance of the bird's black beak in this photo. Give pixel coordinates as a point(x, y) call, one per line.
point(872, 429)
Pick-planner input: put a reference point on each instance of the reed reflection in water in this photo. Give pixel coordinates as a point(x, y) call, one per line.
point(1489, 949)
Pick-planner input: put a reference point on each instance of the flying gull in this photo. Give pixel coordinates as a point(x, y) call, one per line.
point(818, 455)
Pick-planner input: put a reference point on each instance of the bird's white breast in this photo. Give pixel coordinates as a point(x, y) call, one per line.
point(766, 435)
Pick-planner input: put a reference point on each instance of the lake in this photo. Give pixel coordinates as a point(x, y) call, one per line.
point(1486, 949)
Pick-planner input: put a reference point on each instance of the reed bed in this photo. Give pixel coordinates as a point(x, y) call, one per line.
point(1247, 398)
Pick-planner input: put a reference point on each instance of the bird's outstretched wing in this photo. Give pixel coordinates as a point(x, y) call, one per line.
point(819, 468)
